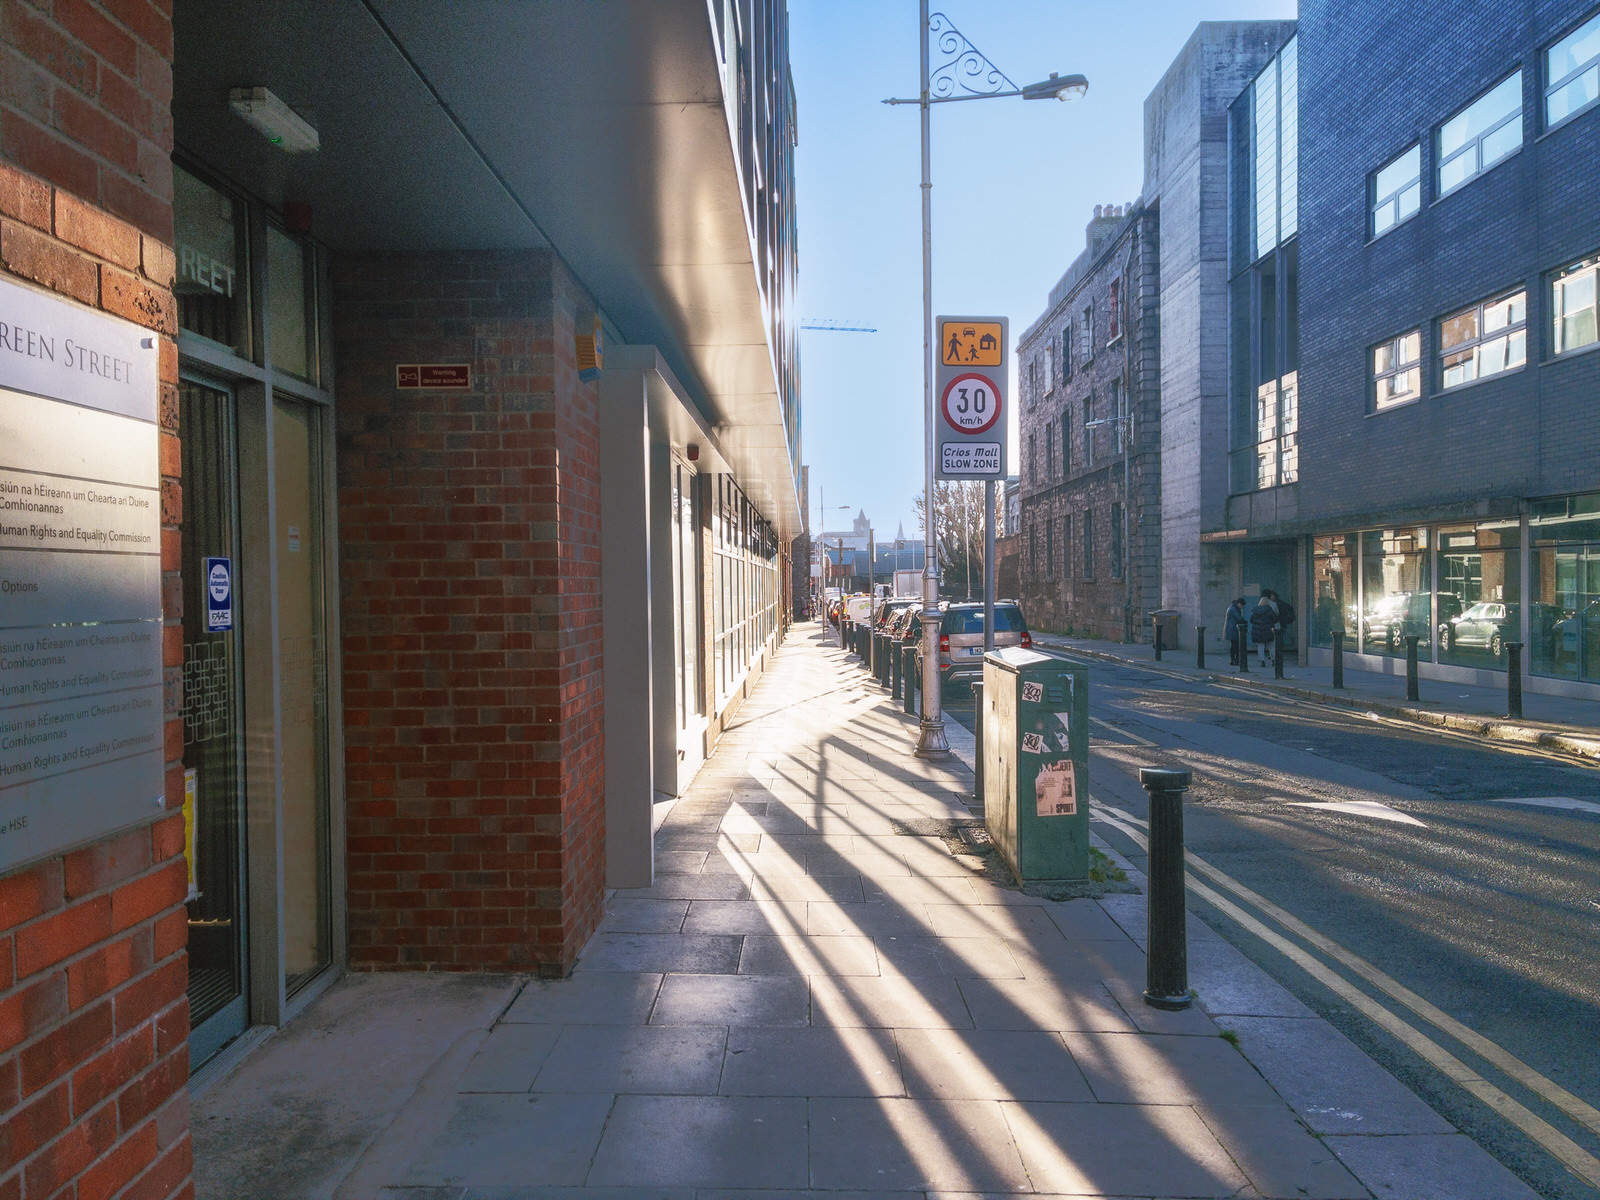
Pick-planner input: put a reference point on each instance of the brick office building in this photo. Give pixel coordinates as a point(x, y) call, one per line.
point(1090, 429)
point(427, 457)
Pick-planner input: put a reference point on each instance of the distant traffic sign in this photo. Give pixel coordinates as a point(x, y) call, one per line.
point(971, 382)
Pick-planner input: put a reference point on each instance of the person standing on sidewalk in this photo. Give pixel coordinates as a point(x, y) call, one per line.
point(1264, 626)
point(1236, 628)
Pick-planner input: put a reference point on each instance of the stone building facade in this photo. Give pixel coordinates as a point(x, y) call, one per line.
point(1089, 548)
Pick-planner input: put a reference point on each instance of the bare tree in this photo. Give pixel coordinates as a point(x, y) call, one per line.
point(958, 507)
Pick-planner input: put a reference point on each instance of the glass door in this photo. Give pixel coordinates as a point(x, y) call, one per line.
point(213, 804)
point(303, 704)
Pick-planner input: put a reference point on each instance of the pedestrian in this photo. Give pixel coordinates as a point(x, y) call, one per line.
point(1264, 626)
point(1236, 628)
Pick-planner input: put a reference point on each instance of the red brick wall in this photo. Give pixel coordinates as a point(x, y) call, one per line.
point(86, 102)
point(469, 568)
point(94, 1022)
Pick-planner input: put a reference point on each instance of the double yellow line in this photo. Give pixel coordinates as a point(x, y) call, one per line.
point(1578, 1160)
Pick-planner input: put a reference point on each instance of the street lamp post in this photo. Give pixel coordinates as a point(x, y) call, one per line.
point(963, 74)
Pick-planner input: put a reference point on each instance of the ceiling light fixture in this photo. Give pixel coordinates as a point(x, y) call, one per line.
point(279, 123)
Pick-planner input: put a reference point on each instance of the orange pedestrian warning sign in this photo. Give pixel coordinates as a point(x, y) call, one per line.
point(970, 343)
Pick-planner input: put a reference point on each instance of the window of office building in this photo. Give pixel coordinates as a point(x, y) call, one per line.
point(1397, 370)
point(1033, 459)
point(1480, 135)
point(745, 595)
point(1396, 191)
point(1114, 311)
point(1033, 549)
point(213, 279)
point(1483, 340)
point(1396, 595)
point(1264, 291)
point(1033, 381)
point(1564, 588)
point(1116, 540)
point(1572, 73)
point(1088, 333)
point(1088, 543)
point(1066, 351)
point(1050, 450)
point(1066, 443)
point(1049, 368)
point(1479, 594)
point(1066, 546)
point(1088, 432)
point(1573, 308)
point(1049, 541)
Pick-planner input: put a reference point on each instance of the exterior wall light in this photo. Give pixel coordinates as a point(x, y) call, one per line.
point(278, 123)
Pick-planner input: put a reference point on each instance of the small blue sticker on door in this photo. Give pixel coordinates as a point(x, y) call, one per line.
point(219, 595)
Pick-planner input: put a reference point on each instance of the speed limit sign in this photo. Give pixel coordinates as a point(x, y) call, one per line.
point(971, 403)
point(974, 358)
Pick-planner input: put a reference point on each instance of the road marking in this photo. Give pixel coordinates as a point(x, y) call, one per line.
point(1566, 802)
point(1359, 808)
point(1121, 732)
point(1575, 1157)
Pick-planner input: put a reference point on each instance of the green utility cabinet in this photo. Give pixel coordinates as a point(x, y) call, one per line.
point(1036, 764)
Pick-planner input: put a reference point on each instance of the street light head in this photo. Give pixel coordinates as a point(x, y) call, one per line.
point(1057, 87)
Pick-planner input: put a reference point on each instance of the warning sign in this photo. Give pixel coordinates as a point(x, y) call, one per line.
point(1055, 790)
point(971, 403)
point(971, 343)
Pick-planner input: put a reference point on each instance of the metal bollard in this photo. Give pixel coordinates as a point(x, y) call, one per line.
point(1200, 646)
point(1159, 646)
point(1167, 951)
point(977, 733)
point(1411, 666)
point(881, 657)
point(1277, 654)
point(1513, 679)
point(1338, 658)
point(875, 654)
point(1244, 651)
point(894, 671)
point(913, 681)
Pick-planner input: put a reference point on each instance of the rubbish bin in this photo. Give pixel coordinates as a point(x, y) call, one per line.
point(1036, 764)
point(1167, 619)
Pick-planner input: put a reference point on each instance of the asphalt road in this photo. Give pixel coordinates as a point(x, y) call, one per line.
point(1490, 911)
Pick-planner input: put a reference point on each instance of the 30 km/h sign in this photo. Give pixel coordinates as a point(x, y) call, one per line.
point(971, 382)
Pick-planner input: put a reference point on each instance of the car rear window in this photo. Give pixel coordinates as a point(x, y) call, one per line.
point(1007, 619)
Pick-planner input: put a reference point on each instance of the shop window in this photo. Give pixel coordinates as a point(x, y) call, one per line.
point(1484, 340)
point(1397, 600)
point(1573, 306)
point(1564, 589)
point(1572, 73)
point(1396, 191)
point(1479, 593)
point(213, 280)
point(1397, 370)
point(1480, 135)
point(1334, 563)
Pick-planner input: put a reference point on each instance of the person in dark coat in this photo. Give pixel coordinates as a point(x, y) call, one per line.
point(1236, 628)
point(1264, 626)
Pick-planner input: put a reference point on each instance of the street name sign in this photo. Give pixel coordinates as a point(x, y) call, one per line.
point(82, 738)
point(970, 387)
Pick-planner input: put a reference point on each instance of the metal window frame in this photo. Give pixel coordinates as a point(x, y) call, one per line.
point(1556, 85)
point(1440, 353)
point(1376, 202)
point(1474, 145)
point(1591, 264)
point(1374, 375)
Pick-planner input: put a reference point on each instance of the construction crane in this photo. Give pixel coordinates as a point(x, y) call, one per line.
point(836, 326)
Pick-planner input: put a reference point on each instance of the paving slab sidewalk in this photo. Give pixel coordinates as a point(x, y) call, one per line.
point(809, 1004)
point(1556, 722)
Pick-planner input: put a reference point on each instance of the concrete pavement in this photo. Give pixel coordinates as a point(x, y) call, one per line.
point(809, 1002)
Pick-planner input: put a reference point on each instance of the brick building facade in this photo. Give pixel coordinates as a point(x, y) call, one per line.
point(1090, 428)
point(459, 489)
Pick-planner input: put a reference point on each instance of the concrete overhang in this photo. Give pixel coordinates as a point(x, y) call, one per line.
point(596, 128)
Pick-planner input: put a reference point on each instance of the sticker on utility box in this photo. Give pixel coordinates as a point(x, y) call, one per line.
point(1033, 693)
point(1034, 743)
point(1055, 789)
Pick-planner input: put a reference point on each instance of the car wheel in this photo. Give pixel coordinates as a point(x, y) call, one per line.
point(1494, 645)
point(1444, 639)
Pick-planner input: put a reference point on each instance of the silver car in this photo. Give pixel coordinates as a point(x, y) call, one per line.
point(961, 637)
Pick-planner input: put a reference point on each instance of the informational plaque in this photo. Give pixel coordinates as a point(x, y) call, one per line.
point(82, 746)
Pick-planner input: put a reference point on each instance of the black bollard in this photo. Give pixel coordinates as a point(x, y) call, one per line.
point(977, 733)
point(1159, 646)
point(1277, 655)
point(1200, 646)
point(1244, 651)
point(1338, 658)
point(1167, 950)
point(883, 659)
point(894, 670)
point(1513, 679)
point(908, 669)
point(1411, 667)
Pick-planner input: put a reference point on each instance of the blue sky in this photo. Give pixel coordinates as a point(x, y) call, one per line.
point(1014, 184)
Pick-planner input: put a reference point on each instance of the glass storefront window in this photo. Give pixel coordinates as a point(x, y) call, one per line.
point(1480, 593)
point(213, 282)
point(1333, 583)
point(288, 309)
point(1564, 601)
point(1397, 592)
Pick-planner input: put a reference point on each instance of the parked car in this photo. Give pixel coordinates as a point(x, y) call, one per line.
point(1485, 626)
point(961, 637)
point(1392, 617)
point(890, 608)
